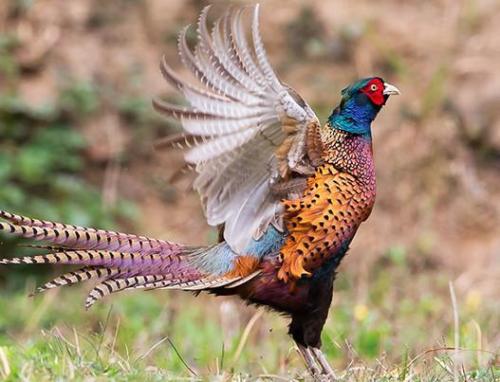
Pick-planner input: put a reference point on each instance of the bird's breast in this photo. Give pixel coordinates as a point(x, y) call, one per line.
point(323, 220)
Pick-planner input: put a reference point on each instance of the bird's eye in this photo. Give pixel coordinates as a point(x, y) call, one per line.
point(373, 87)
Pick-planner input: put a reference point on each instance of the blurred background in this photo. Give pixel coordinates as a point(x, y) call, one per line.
point(76, 145)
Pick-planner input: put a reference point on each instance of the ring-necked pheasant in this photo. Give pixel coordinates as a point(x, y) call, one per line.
point(287, 193)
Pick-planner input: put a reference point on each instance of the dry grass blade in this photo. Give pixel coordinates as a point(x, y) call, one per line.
point(456, 331)
point(77, 343)
point(444, 366)
point(5, 371)
point(181, 358)
point(113, 344)
point(152, 348)
point(274, 377)
point(103, 333)
point(245, 335)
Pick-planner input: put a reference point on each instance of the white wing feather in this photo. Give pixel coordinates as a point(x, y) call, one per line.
point(236, 115)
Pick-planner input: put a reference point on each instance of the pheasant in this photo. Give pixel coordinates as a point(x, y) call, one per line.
point(286, 193)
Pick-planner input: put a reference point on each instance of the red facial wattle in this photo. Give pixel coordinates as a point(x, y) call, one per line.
point(375, 91)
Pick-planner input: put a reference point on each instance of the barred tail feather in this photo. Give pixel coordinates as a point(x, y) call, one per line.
point(94, 258)
point(115, 285)
point(76, 237)
point(78, 276)
point(118, 261)
point(31, 222)
point(151, 282)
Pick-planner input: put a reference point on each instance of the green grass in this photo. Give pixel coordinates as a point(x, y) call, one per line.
point(396, 331)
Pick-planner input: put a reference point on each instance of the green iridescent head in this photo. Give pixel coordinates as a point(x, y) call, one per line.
point(360, 104)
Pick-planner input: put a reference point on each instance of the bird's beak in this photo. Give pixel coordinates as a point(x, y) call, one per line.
point(390, 89)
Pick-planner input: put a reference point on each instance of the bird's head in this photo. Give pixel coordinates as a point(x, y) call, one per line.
point(360, 104)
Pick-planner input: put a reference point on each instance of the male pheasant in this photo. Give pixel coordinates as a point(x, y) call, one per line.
point(287, 193)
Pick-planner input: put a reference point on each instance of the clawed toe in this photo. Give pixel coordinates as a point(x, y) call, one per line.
point(326, 369)
point(309, 360)
point(317, 364)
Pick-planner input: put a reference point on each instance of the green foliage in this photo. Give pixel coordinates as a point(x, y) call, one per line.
point(397, 254)
point(42, 162)
point(8, 67)
point(135, 109)
point(79, 99)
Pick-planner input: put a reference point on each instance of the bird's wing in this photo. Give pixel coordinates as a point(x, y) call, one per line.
point(246, 131)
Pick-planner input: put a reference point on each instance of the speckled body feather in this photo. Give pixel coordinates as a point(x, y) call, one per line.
point(338, 198)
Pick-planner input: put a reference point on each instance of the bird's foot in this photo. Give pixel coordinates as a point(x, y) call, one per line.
point(317, 365)
point(325, 366)
point(309, 360)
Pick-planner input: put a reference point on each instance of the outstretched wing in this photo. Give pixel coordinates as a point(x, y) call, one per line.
point(248, 134)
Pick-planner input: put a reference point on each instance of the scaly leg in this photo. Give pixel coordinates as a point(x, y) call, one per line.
point(311, 364)
point(326, 369)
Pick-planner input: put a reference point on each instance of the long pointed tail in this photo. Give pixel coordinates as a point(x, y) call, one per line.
point(119, 261)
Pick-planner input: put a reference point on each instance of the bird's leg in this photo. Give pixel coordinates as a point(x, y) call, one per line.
point(311, 364)
point(326, 369)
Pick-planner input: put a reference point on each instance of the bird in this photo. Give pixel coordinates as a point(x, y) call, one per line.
point(286, 193)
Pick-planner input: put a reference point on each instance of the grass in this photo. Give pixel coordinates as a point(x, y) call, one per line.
point(397, 331)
